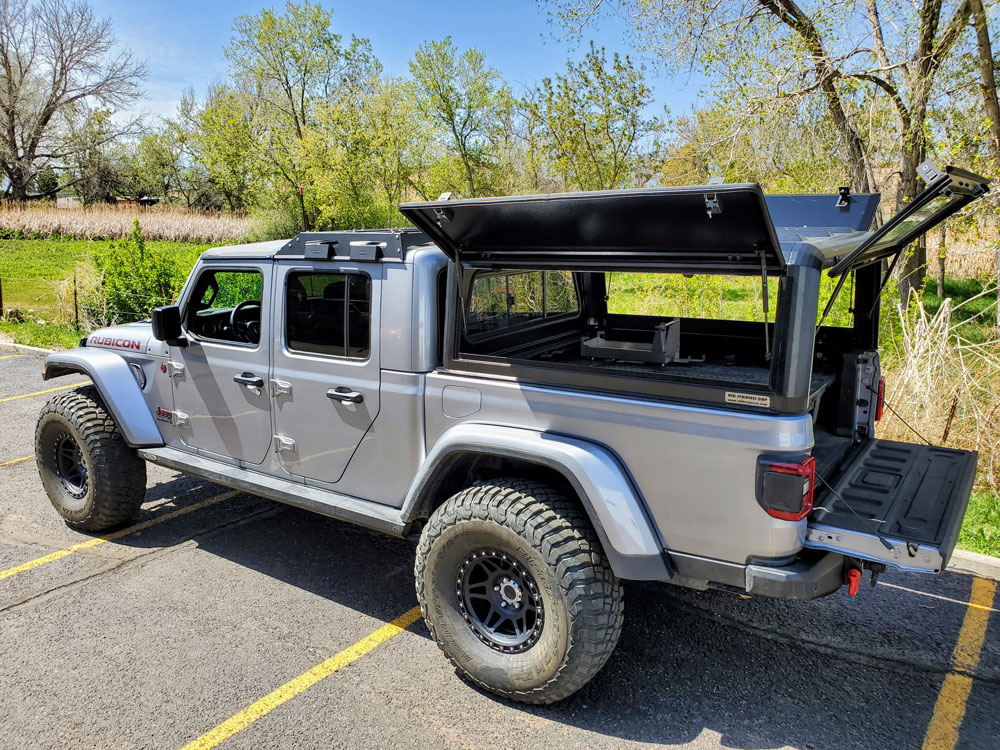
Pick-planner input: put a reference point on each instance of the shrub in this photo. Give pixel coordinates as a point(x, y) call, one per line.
point(126, 280)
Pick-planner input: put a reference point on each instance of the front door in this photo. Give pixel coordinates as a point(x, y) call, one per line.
point(221, 399)
point(325, 376)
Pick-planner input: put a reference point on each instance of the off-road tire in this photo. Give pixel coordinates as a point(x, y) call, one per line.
point(115, 480)
point(552, 538)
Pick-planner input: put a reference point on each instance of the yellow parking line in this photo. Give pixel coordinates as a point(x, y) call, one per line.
point(59, 554)
point(17, 460)
point(942, 732)
point(304, 681)
point(47, 390)
point(9, 356)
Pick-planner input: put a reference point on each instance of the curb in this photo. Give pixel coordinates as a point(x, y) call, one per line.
point(26, 348)
point(975, 563)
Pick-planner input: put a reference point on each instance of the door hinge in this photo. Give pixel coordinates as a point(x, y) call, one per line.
point(180, 419)
point(282, 443)
point(280, 387)
point(174, 369)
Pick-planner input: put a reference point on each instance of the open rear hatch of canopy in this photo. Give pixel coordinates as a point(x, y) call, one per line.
point(702, 229)
point(948, 191)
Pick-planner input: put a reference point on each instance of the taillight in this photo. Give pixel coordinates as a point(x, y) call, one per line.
point(785, 488)
point(880, 400)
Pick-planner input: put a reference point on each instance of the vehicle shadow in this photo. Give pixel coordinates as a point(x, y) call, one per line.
point(707, 667)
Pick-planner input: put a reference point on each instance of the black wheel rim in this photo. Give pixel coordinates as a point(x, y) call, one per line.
point(70, 465)
point(500, 601)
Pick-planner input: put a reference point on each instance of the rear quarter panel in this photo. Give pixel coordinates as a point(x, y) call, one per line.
point(695, 467)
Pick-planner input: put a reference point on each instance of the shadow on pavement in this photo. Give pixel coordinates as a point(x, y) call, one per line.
point(691, 667)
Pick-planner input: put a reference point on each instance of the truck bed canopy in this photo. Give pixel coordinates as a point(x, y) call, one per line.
point(727, 229)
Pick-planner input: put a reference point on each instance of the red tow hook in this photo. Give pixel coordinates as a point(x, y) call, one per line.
point(853, 581)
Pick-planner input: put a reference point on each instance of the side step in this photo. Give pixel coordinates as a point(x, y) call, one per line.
point(342, 507)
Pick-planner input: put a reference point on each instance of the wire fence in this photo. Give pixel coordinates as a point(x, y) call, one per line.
point(64, 302)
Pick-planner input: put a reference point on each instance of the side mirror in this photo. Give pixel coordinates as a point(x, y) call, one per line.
point(167, 325)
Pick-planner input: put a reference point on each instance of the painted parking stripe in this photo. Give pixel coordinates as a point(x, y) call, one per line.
point(15, 461)
point(10, 356)
point(59, 554)
point(47, 390)
point(303, 682)
point(942, 732)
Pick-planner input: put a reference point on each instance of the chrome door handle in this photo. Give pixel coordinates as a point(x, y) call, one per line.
point(345, 395)
point(249, 380)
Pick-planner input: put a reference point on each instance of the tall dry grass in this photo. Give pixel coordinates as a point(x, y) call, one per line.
point(944, 385)
point(115, 222)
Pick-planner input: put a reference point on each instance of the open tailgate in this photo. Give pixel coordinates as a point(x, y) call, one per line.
point(895, 503)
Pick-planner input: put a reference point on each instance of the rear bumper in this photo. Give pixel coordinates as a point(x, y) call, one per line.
point(811, 576)
point(803, 579)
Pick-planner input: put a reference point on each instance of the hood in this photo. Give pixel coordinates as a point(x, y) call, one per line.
point(130, 337)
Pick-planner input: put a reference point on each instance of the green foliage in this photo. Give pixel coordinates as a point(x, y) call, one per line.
point(981, 527)
point(133, 279)
point(37, 333)
point(464, 97)
point(48, 182)
point(593, 127)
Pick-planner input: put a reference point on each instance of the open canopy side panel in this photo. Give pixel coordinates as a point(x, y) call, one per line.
point(705, 229)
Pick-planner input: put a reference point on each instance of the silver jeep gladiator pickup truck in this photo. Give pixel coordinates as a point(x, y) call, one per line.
point(495, 382)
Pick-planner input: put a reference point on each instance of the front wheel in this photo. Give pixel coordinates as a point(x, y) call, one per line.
point(93, 479)
point(516, 590)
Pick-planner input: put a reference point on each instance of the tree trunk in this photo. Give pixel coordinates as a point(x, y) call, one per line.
point(986, 76)
point(914, 261)
point(942, 247)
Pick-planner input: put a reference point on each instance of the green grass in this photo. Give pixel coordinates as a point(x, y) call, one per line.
point(981, 528)
point(47, 336)
point(29, 269)
point(979, 312)
point(709, 296)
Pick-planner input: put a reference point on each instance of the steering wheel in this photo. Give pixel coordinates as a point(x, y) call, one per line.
point(241, 329)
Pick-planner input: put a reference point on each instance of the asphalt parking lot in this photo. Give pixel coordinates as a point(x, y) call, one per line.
point(228, 619)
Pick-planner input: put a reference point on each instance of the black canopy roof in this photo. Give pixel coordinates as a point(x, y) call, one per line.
point(700, 229)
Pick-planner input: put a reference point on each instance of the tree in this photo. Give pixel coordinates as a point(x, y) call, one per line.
point(987, 78)
point(290, 62)
point(462, 94)
point(229, 144)
point(593, 127)
point(769, 50)
point(56, 59)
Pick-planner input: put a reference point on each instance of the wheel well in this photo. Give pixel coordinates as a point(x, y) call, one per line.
point(463, 470)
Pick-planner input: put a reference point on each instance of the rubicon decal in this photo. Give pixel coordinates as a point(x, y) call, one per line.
point(115, 343)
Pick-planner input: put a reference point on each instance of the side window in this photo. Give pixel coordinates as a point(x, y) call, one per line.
point(226, 306)
point(506, 300)
point(328, 313)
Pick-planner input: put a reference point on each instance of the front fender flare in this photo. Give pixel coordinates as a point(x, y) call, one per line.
point(612, 503)
point(118, 387)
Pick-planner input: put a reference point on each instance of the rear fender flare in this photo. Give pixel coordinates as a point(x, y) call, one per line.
point(118, 387)
point(611, 501)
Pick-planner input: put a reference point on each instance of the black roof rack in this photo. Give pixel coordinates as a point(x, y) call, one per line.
point(359, 245)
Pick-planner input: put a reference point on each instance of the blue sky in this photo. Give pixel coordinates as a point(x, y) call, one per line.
point(182, 40)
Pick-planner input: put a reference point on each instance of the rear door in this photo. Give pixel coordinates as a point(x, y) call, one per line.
point(325, 375)
point(896, 503)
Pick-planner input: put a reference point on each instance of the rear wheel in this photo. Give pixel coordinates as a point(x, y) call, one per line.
point(516, 590)
point(93, 479)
